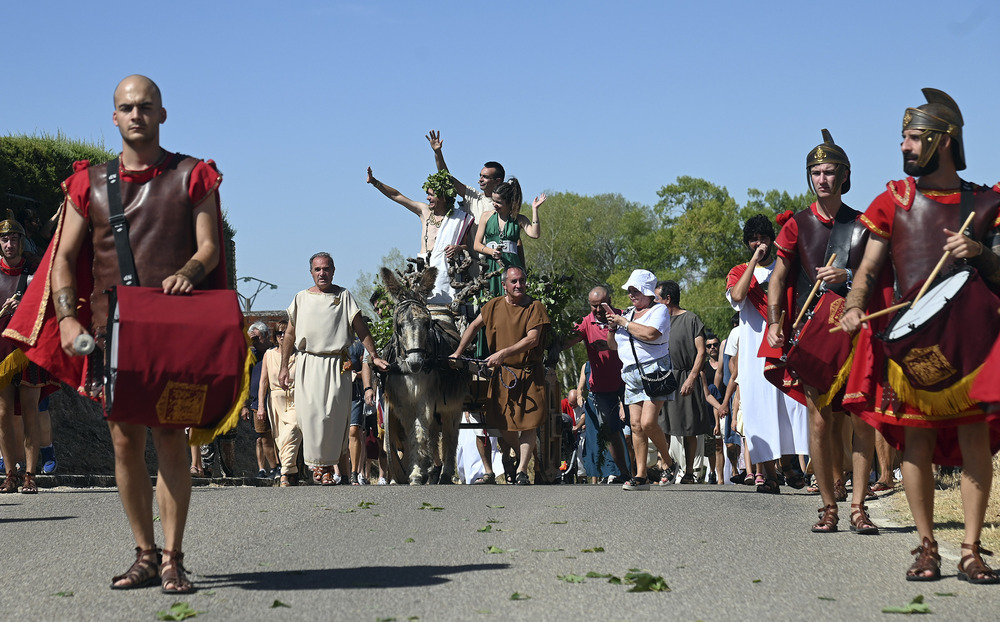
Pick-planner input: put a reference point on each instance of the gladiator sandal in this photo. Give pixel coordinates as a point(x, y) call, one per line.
point(839, 490)
point(9, 483)
point(927, 560)
point(173, 577)
point(143, 572)
point(29, 487)
point(973, 569)
point(828, 519)
point(860, 522)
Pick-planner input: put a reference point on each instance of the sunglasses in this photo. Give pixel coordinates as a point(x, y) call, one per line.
point(712, 345)
point(279, 333)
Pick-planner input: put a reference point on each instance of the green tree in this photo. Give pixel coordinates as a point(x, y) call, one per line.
point(366, 282)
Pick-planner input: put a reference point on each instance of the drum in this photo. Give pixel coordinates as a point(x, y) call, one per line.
point(937, 345)
point(820, 358)
point(174, 361)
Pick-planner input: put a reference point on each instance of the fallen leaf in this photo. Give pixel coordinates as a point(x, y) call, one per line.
point(598, 575)
point(63, 594)
point(366, 504)
point(559, 522)
point(544, 550)
point(486, 529)
point(519, 596)
point(596, 549)
point(495, 507)
point(496, 550)
point(935, 593)
point(571, 578)
point(428, 506)
point(177, 611)
point(645, 582)
point(915, 606)
point(825, 598)
point(408, 540)
point(277, 603)
point(756, 580)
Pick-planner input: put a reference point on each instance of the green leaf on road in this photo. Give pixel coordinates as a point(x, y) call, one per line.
point(364, 505)
point(544, 550)
point(596, 549)
point(492, 520)
point(497, 550)
point(559, 522)
point(645, 582)
point(598, 575)
point(519, 596)
point(177, 611)
point(348, 511)
point(935, 593)
point(557, 506)
point(428, 506)
point(408, 540)
point(495, 507)
point(156, 518)
point(571, 578)
point(277, 603)
point(756, 580)
point(63, 594)
point(825, 598)
point(916, 606)
point(486, 529)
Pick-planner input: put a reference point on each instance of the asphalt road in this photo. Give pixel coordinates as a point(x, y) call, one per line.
point(373, 553)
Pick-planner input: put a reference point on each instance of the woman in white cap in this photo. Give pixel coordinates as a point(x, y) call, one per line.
point(642, 331)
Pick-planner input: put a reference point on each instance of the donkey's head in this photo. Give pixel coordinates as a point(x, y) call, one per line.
point(411, 321)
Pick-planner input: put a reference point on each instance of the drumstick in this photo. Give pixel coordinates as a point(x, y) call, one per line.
point(940, 263)
point(871, 316)
point(812, 294)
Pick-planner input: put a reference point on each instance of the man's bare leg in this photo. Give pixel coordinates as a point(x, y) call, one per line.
point(690, 449)
point(134, 487)
point(10, 449)
point(918, 479)
point(863, 452)
point(821, 427)
point(173, 485)
point(886, 460)
point(977, 477)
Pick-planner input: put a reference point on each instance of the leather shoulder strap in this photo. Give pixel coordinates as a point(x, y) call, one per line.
point(119, 226)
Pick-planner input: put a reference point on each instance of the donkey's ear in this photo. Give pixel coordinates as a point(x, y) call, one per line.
point(391, 283)
point(428, 278)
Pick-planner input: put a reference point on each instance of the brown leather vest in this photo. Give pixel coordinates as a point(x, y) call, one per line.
point(813, 240)
point(917, 240)
point(161, 229)
point(9, 283)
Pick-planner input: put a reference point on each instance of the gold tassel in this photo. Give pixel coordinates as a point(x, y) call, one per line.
point(15, 363)
point(204, 436)
point(951, 401)
point(839, 380)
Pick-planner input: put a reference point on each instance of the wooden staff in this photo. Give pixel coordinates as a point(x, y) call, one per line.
point(871, 316)
point(812, 294)
point(940, 263)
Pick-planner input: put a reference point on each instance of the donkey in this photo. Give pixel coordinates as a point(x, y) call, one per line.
point(420, 383)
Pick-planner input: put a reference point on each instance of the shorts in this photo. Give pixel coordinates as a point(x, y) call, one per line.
point(357, 413)
point(606, 410)
point(260, 427)
point(634, 391)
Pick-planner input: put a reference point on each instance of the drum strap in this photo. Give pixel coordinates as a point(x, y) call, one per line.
point(965, 208)
point(119, 226)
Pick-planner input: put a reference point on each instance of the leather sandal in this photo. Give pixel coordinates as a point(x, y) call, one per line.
point(828, 519)
point(928, 560)
point(317, 474)
point(880, 487)
point(973, 569)
point(486, 478)
point(9, 483)
point(143, 572)
point(29, 487)
point(173, 577)
point(839, 490)
point(769, 487)
point(860, 521)
point(793, 478)
point(326, 478)
point(288, 480)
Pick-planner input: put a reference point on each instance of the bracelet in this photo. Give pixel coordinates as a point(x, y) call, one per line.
point(367, 389)
point(535, 222)
point(64, 302)
point(850, 275)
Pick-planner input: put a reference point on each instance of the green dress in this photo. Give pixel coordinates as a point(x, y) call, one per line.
point(510, 234)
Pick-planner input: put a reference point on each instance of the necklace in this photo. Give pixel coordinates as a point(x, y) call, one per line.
point(427, 227)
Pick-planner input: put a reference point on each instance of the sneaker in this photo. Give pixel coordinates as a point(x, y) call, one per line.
point(261, 474)
point(49, 463)
point(382, 482)
point(276, 472)
point(713, 479)
point(364, 481)
point(337, 479)
point(614, 479)
point(636, 483)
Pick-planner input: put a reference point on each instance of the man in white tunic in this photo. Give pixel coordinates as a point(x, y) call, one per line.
point(322, 322)
point(774, 423)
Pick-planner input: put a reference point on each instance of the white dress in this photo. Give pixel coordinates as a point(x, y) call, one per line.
point(774, 424)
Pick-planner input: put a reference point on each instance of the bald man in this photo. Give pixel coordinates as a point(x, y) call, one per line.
point(607, 389)
point(172, 205)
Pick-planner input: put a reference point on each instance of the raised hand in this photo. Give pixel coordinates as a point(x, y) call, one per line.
point(538, 200)
point(434, 138)
point(371, 178)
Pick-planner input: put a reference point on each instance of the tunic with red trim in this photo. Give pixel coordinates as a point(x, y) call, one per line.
point(912, 222)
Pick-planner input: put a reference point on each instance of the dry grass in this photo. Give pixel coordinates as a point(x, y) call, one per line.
point(948, 517)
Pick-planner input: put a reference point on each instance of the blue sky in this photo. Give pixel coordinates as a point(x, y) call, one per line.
point(294, 100)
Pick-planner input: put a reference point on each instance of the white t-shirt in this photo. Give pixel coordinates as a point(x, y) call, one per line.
point(733, 342)
point(476, 203)
point(657, 317)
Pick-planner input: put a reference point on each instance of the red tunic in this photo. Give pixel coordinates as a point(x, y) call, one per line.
point(869, 395)
point(34, 325)
point(756, 295)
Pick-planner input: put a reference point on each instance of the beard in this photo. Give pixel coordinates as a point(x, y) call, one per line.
point(911, 168)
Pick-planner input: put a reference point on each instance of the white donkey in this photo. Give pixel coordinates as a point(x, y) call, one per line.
point(424, 393)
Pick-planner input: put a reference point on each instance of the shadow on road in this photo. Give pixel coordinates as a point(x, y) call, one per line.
point(36, 518)
point(342, 578)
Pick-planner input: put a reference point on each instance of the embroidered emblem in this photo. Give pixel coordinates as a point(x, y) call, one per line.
point(181, 402)
point(927, 366)
point(836, 312)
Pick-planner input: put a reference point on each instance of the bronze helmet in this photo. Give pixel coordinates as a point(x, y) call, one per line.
point(10, 225)
point(939, 116)
point(828, 152)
